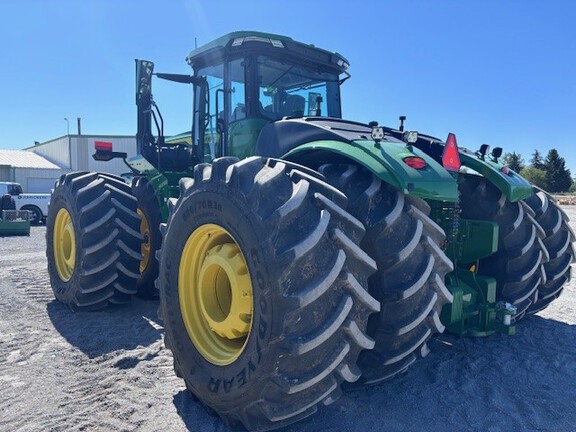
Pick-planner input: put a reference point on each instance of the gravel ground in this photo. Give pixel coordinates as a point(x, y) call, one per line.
point(109, 370)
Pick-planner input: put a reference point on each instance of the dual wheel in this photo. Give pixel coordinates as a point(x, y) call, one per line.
point(409, 282)
point(101, 240)
point(263, 288)
point(559, 243)
point(93, 240)
point(535, 247)
point(269, 298)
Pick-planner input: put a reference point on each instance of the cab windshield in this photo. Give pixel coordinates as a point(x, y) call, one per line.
point(293, 90)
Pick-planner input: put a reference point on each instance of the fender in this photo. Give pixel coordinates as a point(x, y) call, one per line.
point(514, 186)
point(313, 141)
point(386, 161)
point(510, 183)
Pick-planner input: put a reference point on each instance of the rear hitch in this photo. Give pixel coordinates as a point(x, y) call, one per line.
point(474, 310)
point(504, 313)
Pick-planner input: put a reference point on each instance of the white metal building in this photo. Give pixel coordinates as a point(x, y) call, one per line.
point(35, 173)
point(74, 152)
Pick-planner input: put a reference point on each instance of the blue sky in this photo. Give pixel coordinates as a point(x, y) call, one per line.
point(491, 71)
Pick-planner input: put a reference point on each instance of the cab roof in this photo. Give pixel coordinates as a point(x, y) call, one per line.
point(242, 42)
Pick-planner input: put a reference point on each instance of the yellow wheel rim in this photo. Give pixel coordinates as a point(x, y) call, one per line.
point(145, 248)
point(64, 245)
point(215, 293)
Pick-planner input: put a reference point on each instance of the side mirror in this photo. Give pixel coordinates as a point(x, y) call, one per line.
point(104, 152)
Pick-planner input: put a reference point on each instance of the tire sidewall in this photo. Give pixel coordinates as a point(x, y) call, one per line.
point(64, 291)
point(222, 385)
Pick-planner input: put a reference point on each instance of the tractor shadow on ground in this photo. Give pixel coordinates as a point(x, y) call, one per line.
point(114, 328)
point(521, 382)
point(195, 415)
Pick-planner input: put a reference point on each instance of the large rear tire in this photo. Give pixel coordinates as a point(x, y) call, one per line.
point(409, 282)
point(559, 241)
point(92, 240)
point(263, 291)
point(517, 266)
point(149, 212)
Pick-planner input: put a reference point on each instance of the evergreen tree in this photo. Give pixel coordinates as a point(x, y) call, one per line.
point(557, 175)
point(536, 160)
point(514, 161)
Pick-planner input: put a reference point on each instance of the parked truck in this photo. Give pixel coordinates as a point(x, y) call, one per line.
point(36, 204)
point(294, 251)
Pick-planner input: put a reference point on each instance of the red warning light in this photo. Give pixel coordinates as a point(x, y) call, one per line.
point(450, 157)
point(415, 162)
point(103, 146)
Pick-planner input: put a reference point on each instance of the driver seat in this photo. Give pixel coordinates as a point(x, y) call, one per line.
point(293, 106)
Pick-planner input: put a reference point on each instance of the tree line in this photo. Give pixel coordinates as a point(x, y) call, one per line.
point(549, 174)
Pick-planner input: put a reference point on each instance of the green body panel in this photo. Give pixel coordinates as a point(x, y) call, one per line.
point(162, 187)
point(242, 136)
point(164, 183)
point(475, 240)
point(386, 162)
point(474, 310)
point(512, 184)
point(14, 228)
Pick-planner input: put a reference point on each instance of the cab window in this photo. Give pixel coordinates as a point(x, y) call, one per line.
point(292, 90)
point(237, 91)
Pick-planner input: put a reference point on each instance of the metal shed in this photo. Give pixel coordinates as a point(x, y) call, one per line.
point(35, 173)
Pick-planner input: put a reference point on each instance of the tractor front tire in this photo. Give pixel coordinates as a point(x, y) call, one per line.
point(263, 290)
point(149, 212)
point(517, 266)
point(409, 282)
point(559, 242)
point(92, 241)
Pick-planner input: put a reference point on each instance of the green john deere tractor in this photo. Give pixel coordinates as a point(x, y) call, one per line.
point(294, 251)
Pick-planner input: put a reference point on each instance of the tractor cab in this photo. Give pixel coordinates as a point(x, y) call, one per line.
point(242, 82)
point(246, 80)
